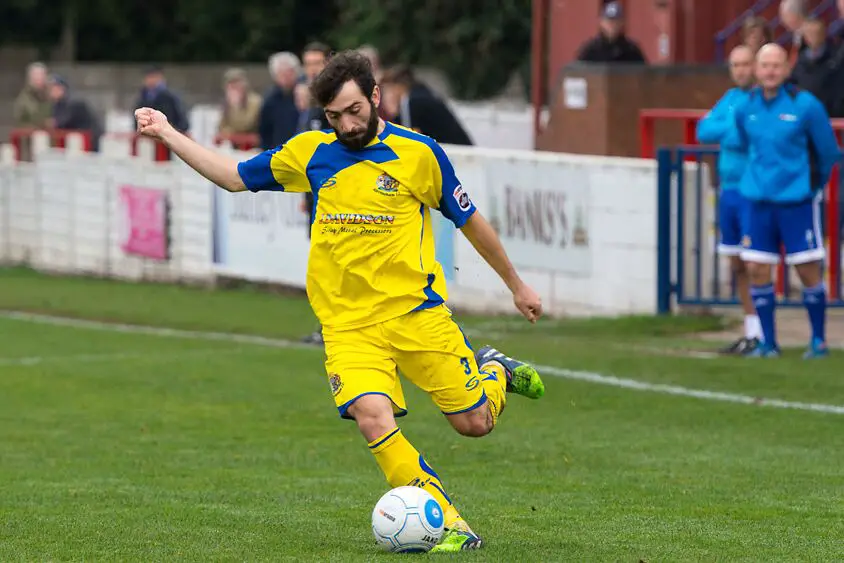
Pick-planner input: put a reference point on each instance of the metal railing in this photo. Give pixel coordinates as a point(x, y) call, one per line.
point(689, 268)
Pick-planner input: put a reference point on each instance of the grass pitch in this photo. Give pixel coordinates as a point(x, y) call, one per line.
point(121, 446)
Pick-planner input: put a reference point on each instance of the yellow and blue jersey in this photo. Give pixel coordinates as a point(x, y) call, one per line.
point(372, 243)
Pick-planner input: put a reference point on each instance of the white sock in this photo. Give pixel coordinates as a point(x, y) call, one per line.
point(752, 327)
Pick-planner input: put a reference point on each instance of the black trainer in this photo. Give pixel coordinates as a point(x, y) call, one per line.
point(740, 347)
point(750, 345)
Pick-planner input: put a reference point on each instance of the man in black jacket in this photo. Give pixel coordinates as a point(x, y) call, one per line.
point(314, 58)
point(72, 113)
point(155, 94)
point(793, 16)
point(279, 119)
point(412, 104)
point(819, 67)
point(611, 45)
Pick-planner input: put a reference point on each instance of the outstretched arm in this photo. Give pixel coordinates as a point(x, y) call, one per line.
point(482, 236)
point(218, 168)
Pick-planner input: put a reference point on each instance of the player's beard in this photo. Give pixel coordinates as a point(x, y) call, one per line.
point(357, 141)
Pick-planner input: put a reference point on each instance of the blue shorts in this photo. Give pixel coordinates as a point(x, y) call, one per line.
point(732, 222)
point(796, 226)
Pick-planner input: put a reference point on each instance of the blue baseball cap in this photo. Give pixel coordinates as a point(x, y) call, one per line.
point(612, 11)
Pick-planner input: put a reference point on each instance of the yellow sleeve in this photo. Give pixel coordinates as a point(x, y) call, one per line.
point(440, 189)
point(282, 169)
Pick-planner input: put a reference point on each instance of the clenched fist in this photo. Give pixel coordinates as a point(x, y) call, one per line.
point(528, 303)
point(151, 122)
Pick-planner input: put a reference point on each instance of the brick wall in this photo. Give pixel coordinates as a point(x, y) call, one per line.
point(610, 123)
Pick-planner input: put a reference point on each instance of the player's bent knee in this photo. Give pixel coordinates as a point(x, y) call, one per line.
point(473, 424)
point(373, 415)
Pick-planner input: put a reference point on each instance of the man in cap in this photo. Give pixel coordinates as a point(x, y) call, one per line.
point(611, 45)
point(156, 94)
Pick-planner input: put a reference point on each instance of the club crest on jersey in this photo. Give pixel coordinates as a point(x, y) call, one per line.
point(462, 198)
point(335, 382)
point(387, 185)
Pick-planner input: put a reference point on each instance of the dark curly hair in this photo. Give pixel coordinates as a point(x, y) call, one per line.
point(342, 67)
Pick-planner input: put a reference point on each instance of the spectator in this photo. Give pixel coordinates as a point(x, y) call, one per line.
point(279, 117)
point(314, 58)
point(755, 33)
point(156, 95)
point(374, 57)
point(816, 69)
point(241, 107)
point(415, 106)
point(840, 20)
point(32, 106)
point(73, 113)
point(611, 45)
point(793, 15)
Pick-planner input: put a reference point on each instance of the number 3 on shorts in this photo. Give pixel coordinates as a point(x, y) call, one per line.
point(473, 381)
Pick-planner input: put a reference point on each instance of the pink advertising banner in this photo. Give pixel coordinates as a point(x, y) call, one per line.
point(144, 225)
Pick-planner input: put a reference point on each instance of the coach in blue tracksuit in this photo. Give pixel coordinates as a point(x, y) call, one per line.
point(719, 127)
point(791, 152)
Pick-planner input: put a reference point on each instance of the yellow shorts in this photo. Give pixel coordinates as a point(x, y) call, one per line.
point(427, 346)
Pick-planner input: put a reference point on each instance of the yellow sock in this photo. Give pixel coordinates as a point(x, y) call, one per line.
point(495, 386)
point(403, 465)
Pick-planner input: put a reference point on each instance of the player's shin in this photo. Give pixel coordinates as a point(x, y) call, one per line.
point(765, 301)
point(752, 326)
point(814, 299)
point(494, 381)
point(403, 465)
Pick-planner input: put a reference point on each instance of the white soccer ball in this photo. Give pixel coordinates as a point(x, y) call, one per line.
point(407, 520)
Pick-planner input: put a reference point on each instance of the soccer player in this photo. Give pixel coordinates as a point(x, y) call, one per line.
point(373, 280)
point(791, 152)
point(718, 127)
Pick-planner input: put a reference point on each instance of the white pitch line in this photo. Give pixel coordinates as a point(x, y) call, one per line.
point(586, 376)
point(678, 391)
point(111, 357)
point(150, 330)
